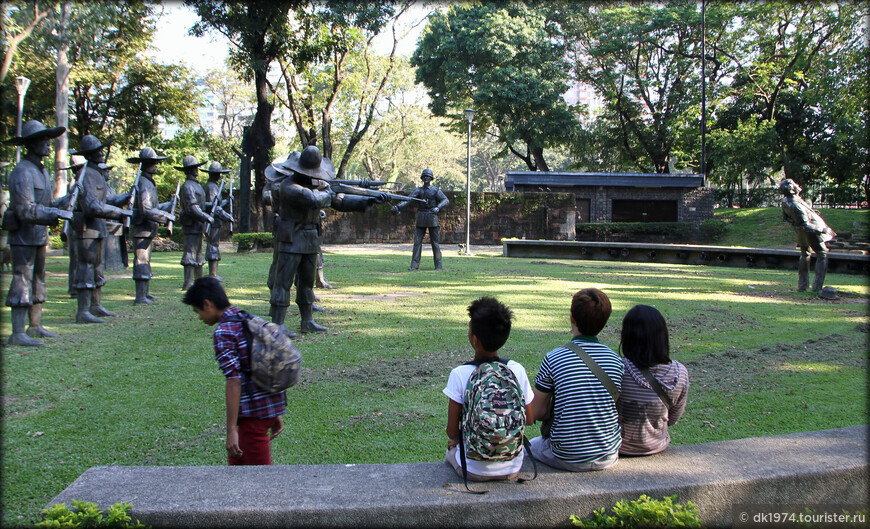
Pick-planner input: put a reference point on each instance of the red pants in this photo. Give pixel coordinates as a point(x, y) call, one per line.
point(254, 442)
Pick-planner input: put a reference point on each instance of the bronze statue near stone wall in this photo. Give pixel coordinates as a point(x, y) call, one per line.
point(213, 237)
point(811, 231)
point(427, 218)
point(31, 210)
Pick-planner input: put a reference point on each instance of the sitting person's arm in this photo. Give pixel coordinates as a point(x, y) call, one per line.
point(540, 406)
point(454, 412)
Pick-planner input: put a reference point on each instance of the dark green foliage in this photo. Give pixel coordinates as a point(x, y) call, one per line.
point(643, 512)
point(87, 514)
point(713, 229)
point(253, 241)
point(679, 231)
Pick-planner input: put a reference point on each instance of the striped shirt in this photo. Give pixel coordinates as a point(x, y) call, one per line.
point(230, 350)
point(643, 416)
point(585, 421)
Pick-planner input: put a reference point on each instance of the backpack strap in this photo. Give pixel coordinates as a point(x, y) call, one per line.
point(465, 466)
point(527, 446)
point(596, 370)
point(657, 387)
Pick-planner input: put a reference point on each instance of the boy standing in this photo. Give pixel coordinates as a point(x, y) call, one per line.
point(253, 416)
point(488, 330)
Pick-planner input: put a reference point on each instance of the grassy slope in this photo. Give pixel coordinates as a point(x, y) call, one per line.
point(764, 227)
point(143, 388)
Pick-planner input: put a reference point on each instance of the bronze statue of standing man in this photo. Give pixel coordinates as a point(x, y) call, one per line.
point(148, 212)
point(213, 237)
point(811, 231)
point(95, 205)
point(194, 219)
point(30, 211)
point(427, 218)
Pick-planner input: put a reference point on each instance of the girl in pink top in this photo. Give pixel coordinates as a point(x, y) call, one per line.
point(644, 415)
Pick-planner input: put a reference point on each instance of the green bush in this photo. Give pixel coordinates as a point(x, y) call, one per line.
point(713, 229)
point(176, 237)
point(644, 512)
point(252, 241)
point(87, 514)
point(674, 230)
point(55, 243)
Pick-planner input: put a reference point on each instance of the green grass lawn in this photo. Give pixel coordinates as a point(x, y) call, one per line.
point(144, 388)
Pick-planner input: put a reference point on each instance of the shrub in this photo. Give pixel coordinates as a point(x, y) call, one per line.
point(672, 230)
point(252, 241)
point(644, 512)
point(55, 242)
point(713, 229)
point(87, 514)
point(176, 237)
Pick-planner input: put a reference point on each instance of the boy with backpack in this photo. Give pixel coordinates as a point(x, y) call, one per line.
point(253, 415)
point(490, 401)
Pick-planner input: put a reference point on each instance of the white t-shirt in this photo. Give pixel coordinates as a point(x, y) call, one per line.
point(455, 391)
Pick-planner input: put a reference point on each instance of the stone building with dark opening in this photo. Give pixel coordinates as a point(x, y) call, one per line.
point(623, 197)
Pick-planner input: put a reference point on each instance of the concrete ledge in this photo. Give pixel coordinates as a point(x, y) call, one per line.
point(828, 466)
point(734, 256)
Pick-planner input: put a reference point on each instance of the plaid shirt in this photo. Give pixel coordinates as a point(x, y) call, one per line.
point(231, 350)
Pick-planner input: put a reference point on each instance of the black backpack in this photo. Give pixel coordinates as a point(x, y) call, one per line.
point(273, 361)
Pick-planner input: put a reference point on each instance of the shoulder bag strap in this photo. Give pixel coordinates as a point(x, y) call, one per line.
point(596, 370)
point(657, 387)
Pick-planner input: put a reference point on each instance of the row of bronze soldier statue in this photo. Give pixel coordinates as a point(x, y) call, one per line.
point(298, 190)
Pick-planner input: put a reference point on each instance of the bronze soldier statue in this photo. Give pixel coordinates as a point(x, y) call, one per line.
point(427, 218)
point(193, 220)
point(214, 201)
point(30, 211)
point(115, 255)
point(95, 205)
point(811, 231)
point(148, 212)
point(299, 190)
point(77, 161)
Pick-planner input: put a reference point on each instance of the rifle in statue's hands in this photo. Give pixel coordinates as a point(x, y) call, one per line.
point(73, 200)
point(131, 202)
point(215, 204)
point(172, 204)
point(366, 183)
point(230, 198)
point(339, 187)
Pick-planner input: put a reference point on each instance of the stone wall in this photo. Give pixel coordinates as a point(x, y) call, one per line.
point(494, 216)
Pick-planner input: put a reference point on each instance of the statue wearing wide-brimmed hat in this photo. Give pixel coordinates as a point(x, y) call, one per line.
point(216, 205)
point(194, 219)
point(95, 205)
point(427, 218)
point(299, 193)
point(30, 211)
point(148, 213)
point(76, 162)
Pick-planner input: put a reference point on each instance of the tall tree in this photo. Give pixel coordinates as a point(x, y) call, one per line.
point(17, 22)
point(506, 62)
point(234, 98)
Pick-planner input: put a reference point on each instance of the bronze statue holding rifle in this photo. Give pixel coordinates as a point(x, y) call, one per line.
point(213, 198)
point(30, 211)
point(148, 213)
point(194, 220)
point(77, 162)
point(95, 204)
point(433, 200)
point(300, 188)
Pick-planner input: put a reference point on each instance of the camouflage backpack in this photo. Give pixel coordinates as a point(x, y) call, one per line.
point(273, 360)
point(494, 413)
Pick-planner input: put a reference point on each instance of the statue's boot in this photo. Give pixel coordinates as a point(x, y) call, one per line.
point(18, 336)
point(308, 323)
point(97, 308)
point(188, 277)
point(414, 265)
point(36, 330)
point(278, 314)
point(803, 272)
point(142, 292)
point(317, 308)
point(320, 281)
point(84, 300)
point(197, 272)
point(212, 270)
point(148, 293)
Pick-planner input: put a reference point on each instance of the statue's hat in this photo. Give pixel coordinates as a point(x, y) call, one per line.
point(34, 130)
point(188, 162)
point(91, 143)
point(147, 154)
point(310, 163)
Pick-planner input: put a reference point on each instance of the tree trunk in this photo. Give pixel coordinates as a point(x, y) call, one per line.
point(540, 163)
point(61, 103)
point(262, 142)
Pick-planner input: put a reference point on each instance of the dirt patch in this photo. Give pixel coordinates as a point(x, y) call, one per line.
point(737, 369)
point(389, 374)
point(379, 420)
point(16, 406)
point(791, 296)
point(712, 319)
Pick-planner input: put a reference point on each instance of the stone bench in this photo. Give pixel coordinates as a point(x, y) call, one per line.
point(822, 467)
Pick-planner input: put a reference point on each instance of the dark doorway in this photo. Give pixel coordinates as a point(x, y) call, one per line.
point(644, 211)
point(582, 210)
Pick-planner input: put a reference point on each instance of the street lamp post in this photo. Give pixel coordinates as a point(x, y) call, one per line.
point(21, 84)
point(469, 116)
